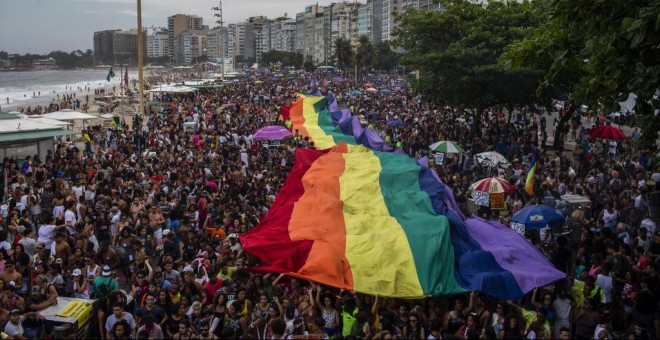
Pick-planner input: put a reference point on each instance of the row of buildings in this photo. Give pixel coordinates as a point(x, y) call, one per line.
point(312, 33)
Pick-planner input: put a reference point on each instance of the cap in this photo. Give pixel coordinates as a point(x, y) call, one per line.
point(15, 311)
point(76, 272)
point(106, 271)
point(232, 235)
point(166, 232)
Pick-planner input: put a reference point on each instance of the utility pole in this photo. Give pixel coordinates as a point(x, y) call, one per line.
point(218, 15)
point(140, 47)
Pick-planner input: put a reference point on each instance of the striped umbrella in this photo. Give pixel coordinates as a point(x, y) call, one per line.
point(446, 147)
point(492, 185)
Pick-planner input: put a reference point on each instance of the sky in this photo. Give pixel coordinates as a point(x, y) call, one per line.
point(42, 26)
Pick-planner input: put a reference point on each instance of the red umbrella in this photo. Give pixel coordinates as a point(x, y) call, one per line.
point(492, 185)
point(607, 132)
point(368, 85)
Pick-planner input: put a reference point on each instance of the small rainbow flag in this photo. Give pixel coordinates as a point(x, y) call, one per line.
point(529, 182)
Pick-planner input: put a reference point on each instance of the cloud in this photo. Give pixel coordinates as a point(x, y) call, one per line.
point(129, 12)
point(87, 11)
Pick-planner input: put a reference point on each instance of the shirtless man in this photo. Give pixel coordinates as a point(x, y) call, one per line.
point(10, 274)
point(61, 248)
point(156, 221)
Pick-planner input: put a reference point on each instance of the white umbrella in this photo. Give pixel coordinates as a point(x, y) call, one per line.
point(372, 90)
point(492, 159)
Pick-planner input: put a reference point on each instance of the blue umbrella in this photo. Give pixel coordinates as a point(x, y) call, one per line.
point(385, 91)
point(395, 123)
point(356, 93)
point(538, 217)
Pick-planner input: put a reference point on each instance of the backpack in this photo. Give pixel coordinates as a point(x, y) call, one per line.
point(104, 290)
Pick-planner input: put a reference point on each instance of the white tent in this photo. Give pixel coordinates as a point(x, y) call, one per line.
point(68, 115)
point(50, 121)
point(24, 124)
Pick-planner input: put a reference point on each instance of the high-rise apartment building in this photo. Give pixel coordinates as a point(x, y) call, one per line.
point(158, 43)
point(103, 44)
point(125, 42)
point(178, 24)
point(365, 18)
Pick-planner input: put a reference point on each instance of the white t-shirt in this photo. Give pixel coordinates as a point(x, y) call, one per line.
point(69, 216)
point(14, 329)
point(45, 235)
point(605, 283)
point(112, 320)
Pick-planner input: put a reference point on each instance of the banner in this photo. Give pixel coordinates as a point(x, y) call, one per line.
point(481, 198)
point(79, 310)
point(497, 201)
point(439, 158)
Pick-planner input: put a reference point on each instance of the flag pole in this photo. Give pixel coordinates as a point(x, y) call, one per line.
point(140, 48)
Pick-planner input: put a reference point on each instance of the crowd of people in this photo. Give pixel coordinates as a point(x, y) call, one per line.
point(145, 217)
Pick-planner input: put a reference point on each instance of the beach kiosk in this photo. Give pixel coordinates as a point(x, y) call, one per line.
point(69, 313)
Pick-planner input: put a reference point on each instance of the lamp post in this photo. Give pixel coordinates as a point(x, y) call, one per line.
point(218, 15)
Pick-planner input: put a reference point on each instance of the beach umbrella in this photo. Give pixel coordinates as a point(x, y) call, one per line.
point(272, 132)
point(446, 147)
point(367, 85)
point(492, 185)
point(607, 132)
point(258, 81)
point(372, 90)
point(356, 93)
point(395, 123)
point(385, 91)
point(538, 217)
point(492, 159)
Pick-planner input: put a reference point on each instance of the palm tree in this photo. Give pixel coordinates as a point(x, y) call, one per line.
point(343, 52)
point(367, 55)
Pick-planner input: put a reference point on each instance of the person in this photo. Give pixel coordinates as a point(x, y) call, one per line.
point(14, 326)
point(104, 284)
point(122, 331)
point(118, 314)
point(184, 331)
point(564, 333)
point(204, 332)
point(10, 274)
point(602, 330)
point(152, 329)
point(80, 287)
point(151, 309)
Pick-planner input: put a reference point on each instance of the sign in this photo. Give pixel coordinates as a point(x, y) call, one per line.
point(439, 157)
point(481, 198)
point(518, 227)
point(497, 201)
point(81, 311)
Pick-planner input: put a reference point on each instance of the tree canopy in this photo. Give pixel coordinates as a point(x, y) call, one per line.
point(610, 47)
point(456, 52)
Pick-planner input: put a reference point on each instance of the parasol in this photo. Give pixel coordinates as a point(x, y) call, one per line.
point(492, 159)
point(272, 132)
point(446, 147)
point(607, 132)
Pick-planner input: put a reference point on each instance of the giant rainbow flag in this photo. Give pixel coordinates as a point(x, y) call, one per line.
point(359, 215)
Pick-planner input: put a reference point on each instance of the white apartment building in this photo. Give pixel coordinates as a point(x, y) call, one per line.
point(390, 7)
point(158, 43)
point(190, 45)
point(365, 19)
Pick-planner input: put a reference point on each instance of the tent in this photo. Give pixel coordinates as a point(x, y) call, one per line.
point(68, 114)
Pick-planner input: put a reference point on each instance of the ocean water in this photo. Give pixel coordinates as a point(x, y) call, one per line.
point(18, 87)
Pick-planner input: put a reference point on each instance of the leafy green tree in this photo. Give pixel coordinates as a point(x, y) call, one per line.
point(456, 52)
point(387, 59)
point(308, 65)
point(343, 52)
point(366, 53)
point(609, 47)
